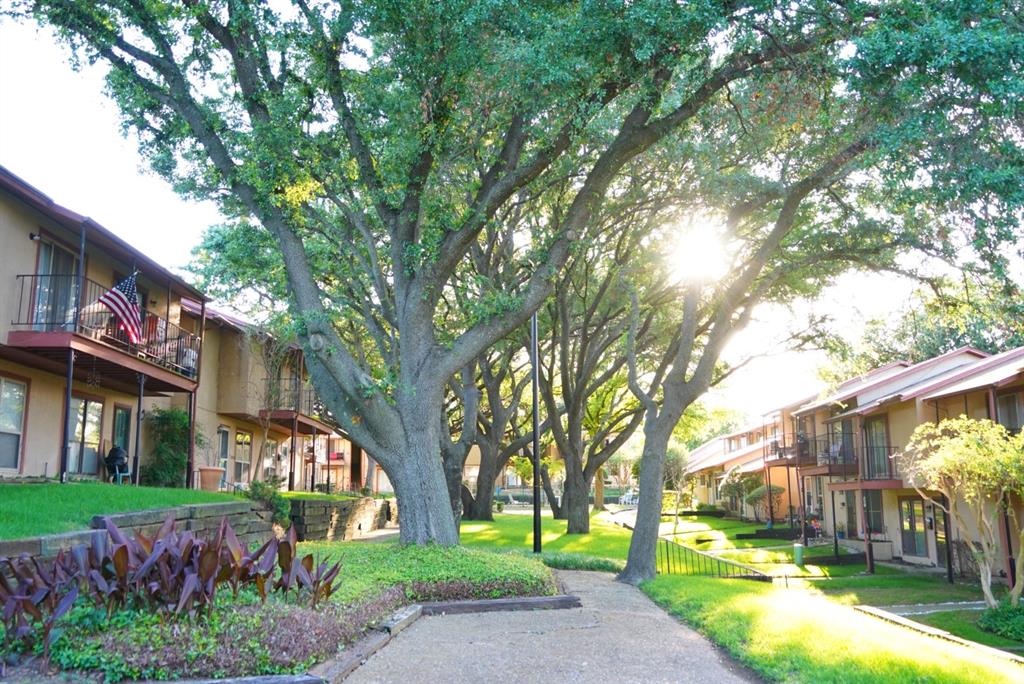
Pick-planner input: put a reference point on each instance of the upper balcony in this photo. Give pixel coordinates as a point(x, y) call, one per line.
point(51, 318)
point(300, 404)
point(877, 463)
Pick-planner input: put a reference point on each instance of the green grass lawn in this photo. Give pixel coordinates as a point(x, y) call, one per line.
point(28, 510)
point(807, 632)
point(964, 624)
point(318, 496)
point(708, 533)
point(368, 569)
point(801, 636)
point(514, 531)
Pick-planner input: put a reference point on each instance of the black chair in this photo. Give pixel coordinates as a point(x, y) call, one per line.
point(117, 465)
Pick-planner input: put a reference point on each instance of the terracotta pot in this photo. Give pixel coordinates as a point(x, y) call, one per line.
point(210, 477)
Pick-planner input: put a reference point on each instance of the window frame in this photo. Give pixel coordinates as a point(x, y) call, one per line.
point(23, 435)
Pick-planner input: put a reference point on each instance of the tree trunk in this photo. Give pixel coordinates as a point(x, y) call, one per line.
point(483, 501)
point(549, 491)
point(577, 502)
point(453, 463)
point(599, 490)
point(422, 494)
point(641, 562)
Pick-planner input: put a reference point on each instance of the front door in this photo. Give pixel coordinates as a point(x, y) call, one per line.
point(851, 513)
point(85, 424)
point(912, 527)
point(122, 426)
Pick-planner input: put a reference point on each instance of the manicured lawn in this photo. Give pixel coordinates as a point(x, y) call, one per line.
point(798, 636)
point(707, 533)
point(317, 496)
point(514, 531)
point(892, 588)
point(964, 624)
point(28, 510)
point(779, 563)
point(424, 572)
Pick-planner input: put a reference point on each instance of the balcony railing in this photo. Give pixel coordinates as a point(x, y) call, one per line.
point(290, 396)
point(833, 450)
point(878, 463)
point(48, 303)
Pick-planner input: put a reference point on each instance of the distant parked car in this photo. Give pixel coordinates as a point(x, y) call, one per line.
point(630, 498)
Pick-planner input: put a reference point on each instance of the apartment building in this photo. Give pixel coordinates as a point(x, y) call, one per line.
point(80, 366)
point(257, 410)
point(74, 379)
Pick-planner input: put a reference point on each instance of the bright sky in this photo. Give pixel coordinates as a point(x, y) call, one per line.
point(60, 134)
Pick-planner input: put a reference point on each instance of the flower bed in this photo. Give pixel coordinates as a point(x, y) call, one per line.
point(175, 606)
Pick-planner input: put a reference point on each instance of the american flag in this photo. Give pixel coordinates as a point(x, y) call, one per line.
point(125, 305)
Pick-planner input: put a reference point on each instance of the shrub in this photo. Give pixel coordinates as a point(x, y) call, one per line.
point(269, 494)
point(706, 507)
point(1004, 620)
point(169, 429)
point(580, 561)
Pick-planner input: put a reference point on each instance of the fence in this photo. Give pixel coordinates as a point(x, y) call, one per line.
point(676, 559)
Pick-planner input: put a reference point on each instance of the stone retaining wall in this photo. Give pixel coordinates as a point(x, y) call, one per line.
point(317, 520)
point(250, 521)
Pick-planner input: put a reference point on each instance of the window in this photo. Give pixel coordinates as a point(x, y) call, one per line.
point(12, 421)
point(873, 504)
point(1010, 411)
point(243, 454)
point(85, 425)
point(122, 426)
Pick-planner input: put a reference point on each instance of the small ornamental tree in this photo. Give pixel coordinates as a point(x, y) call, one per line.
point(758, 498)
point(970, 469)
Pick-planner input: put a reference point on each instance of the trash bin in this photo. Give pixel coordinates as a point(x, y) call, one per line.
point(798, 554)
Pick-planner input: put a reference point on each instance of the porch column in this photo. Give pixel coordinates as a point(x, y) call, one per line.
point(138, 430)
point(802, 493)
point(190, 464)
point(869, 553)
point(312, 474)
point(949, 540)
point(835, 523)
point(768, 493)
point(65, 440)
point(789, 491)
point(291, 468)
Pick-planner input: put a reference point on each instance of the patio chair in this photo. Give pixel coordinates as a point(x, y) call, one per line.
point(117, 465)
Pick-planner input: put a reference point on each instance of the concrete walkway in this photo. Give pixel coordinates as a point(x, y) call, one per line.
point(925, 608)
point(618, 635)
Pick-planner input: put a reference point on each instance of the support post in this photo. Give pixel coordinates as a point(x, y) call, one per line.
point(869, 554)
point(949, 540)
point(835, 523)
point(1011, 564)
point(768, 491)
point(802, 492)
point(291, 468)
point(536, 435)
point(312, 465)
point(65, 443)
point(190, 464)
point(789, 492)
point(138, 431)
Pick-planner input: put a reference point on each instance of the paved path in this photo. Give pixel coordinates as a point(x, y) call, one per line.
point(925, 608)
point(618, 635)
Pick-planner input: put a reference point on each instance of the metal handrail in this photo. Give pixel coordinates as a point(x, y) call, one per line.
point(673, 558)
point(49, 303)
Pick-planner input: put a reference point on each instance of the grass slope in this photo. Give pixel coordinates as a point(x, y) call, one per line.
point(801, 636)
point(514, 531)
point(964, 624)
point(29, 510)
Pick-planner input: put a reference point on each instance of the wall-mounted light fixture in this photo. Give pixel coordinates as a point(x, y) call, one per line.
point(34, 237)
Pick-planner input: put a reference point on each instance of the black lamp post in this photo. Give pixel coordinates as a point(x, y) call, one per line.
point(536, 435)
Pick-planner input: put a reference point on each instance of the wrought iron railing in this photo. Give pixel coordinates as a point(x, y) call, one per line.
point(675, 559)
point(291, 396)
point(837, 449)
point(50, 302)
point(878, 463)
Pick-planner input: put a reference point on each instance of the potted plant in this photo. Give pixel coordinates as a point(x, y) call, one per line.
point(210, 475)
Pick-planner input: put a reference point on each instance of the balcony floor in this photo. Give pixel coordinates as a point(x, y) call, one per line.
point(113, 368)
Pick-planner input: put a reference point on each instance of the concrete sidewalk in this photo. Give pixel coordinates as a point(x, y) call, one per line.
point(618, 635)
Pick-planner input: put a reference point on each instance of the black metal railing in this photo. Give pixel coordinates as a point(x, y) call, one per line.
point(837, 449)
point(878, 463)
point(675, 559)
point(301, 398)
point(50, 302)
point(789, 446)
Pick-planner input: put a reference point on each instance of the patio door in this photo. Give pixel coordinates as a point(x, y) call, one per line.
point(122, 426)
point(876, 449)
point(851, 513)
point(55, 288)
point(912, 527)
point(85, 425)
